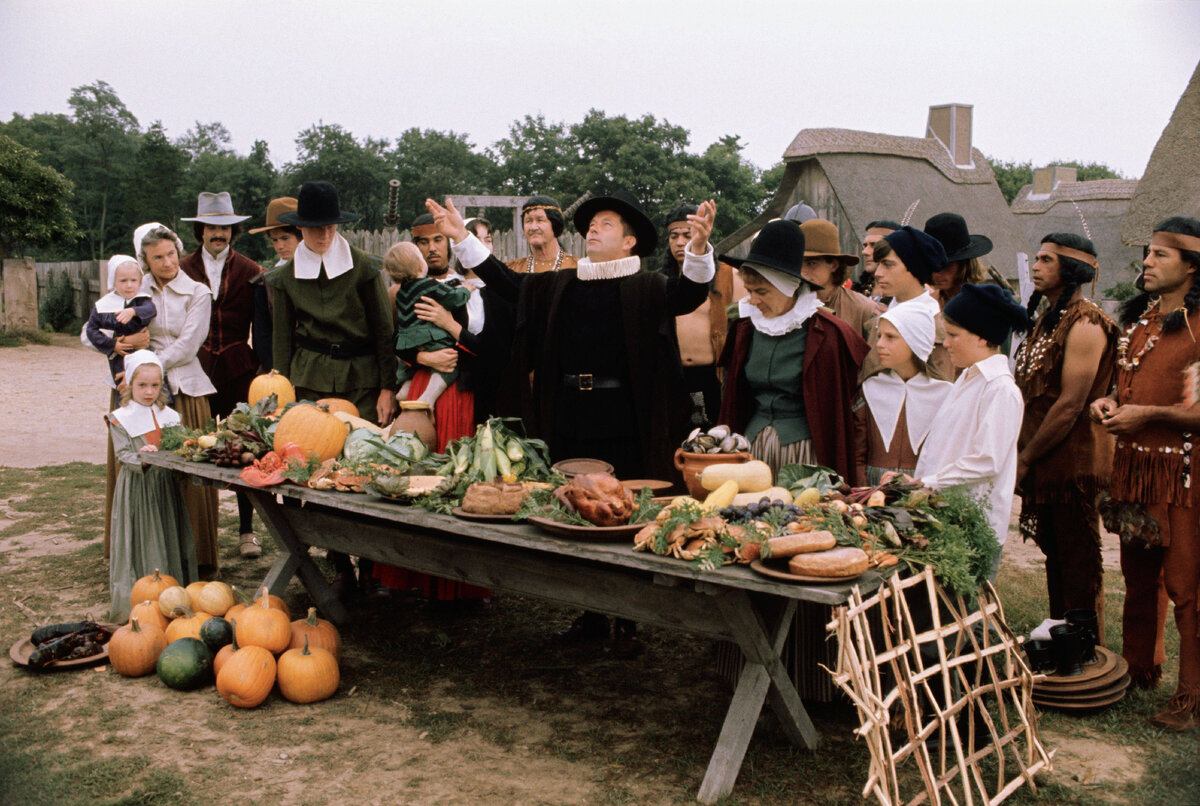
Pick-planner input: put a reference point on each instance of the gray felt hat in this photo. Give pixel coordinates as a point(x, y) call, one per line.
point(216, 209)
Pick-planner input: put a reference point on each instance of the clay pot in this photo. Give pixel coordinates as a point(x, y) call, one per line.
point(1041, 656)
point(693, 464)
point(416, 421)
point(1068, 647)
point(1085, 620)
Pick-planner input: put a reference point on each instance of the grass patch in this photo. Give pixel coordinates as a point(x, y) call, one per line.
point(19, 337)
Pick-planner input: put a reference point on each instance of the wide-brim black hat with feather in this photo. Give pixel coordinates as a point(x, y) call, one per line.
point(626, 205)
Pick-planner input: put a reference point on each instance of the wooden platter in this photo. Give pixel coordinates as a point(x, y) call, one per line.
point(1109, 665)
point(785, 576)
point(1120, 684)
point(594, 534)
point(655, 485)
point(23, 648)
point(482, 517)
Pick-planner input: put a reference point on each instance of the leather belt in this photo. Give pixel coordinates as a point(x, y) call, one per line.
point(349, 350)
point(587, 382)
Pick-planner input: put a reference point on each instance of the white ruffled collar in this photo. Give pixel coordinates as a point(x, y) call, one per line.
point(920, 397)
point(609, 269)
point(806, 305)
point(337, 260)
point(137, 419)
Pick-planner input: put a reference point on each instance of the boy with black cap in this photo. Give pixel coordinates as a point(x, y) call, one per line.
point(905, 261)
point(976, 441)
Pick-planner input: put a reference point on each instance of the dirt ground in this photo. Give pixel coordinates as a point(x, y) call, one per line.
point(372, 743)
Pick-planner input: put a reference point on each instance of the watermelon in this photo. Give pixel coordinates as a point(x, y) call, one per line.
point(186, 664)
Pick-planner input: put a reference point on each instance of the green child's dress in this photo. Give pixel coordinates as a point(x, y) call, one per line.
point(150, 527)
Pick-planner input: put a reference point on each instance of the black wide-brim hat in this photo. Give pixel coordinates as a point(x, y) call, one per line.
point(317, 206)
point(951, 230)
point(626, 205)
point(779, 246)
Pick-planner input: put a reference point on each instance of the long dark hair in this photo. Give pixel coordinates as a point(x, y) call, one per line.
point(1072, 272)
point(1191, 300)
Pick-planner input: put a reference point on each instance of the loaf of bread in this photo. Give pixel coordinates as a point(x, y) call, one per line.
point(493, 498)
point(790, 545)
point(838, 562)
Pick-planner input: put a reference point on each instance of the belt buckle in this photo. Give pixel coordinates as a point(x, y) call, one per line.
point(335, 350)
point(586, 382)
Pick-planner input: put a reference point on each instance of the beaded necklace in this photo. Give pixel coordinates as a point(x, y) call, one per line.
point(558, 260)
point(1131, 364)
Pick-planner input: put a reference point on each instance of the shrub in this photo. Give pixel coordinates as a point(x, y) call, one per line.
point(56, 308)
point(1121, 291)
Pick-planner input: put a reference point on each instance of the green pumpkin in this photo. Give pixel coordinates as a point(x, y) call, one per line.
point(186, 664)
point(216, 633)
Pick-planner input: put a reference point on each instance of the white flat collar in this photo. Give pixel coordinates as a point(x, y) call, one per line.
point(920, 397)
point(337, 260)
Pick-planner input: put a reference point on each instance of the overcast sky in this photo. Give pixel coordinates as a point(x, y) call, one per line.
point(1092, 81)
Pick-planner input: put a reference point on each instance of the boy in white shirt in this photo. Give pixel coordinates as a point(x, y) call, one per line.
point(975, 443)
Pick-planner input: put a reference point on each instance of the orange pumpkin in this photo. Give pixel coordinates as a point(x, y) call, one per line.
point(307, 675)
point(194, 594)
point(264, 626)
point(187, 624)
point(246, 676)
point(150, 586)
point(313, 430)
point(272, 383)
point(318, 632)
point(172, 599)
point(148, 613)
point(215, 598)
point(275, 602)
point(336, 404)
point(133, 649)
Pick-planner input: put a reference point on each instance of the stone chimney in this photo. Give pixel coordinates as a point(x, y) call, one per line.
point(950, 125)
point(1045, 180)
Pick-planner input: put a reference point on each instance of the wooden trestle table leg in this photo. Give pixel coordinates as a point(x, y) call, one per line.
point(295, 560)
point(763, 673)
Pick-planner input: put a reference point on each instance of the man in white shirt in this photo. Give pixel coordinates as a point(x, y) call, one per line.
point(975, 443)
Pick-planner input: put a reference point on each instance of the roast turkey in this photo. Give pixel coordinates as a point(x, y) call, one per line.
point(598, 498)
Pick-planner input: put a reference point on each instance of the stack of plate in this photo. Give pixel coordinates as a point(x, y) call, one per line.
point(1102, 683)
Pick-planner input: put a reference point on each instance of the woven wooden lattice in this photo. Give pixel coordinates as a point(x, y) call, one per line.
point(943, 693)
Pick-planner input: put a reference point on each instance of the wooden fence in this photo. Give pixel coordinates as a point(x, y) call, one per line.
point(87, 282)
point(505, 245)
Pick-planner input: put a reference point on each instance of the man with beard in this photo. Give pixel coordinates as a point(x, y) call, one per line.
point(433, 245)
point(226, 355)
point(542, 222)
point(1155, 416)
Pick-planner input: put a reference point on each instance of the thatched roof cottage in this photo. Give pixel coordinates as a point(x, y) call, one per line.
point(853, 177)
point(1171, 184)
point(1055, 202)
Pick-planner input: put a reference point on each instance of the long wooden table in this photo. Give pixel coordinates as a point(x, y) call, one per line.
point(732, 603)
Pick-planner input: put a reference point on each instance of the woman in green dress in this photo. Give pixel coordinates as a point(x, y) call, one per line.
point(150, 527)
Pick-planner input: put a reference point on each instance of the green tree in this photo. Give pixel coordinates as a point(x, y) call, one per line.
point(536, 157)
point(157, 172)
point(433, 164)
point(358, 170)
point(206, 138)
point(34, 212)
point(735, 184)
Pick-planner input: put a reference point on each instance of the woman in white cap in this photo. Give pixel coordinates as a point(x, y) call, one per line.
point(898, 403)
point(184, 310)
point(149, 527)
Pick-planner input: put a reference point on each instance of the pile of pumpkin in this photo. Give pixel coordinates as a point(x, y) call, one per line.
point(189, 635)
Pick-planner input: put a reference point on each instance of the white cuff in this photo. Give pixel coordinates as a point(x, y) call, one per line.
point(471, 252)
point(698, 268)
